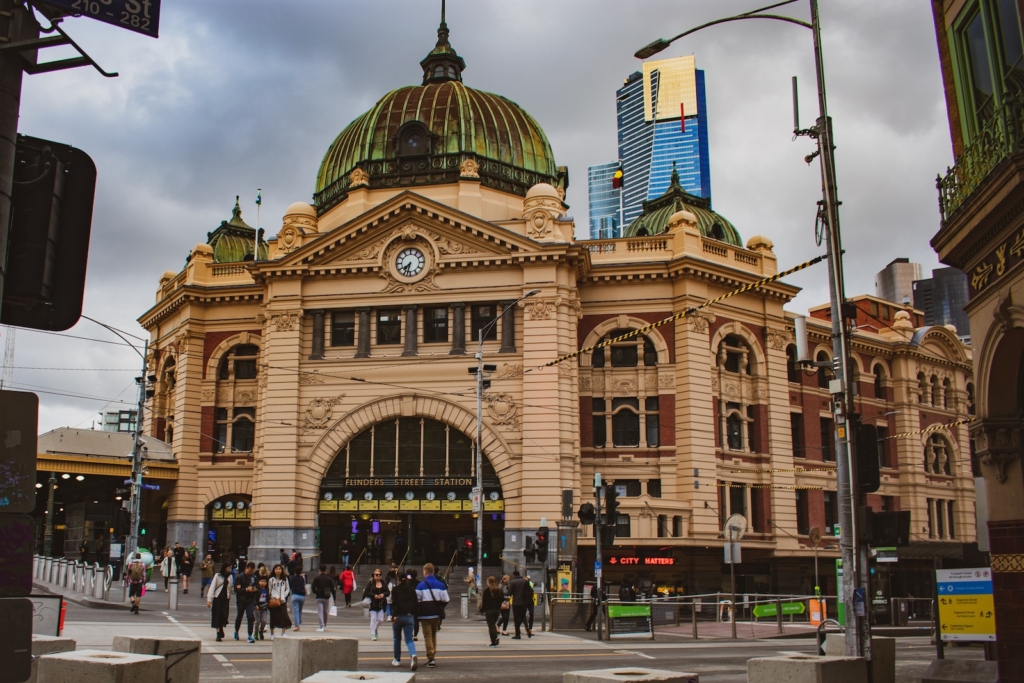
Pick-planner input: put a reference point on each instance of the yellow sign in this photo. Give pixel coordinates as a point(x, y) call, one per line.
point(328, 505)
point(348, 505)
point(389, 505)
point(494, 505)
point(229, 514)
point(218, 514)
point(467, 506)
point(410, 505)
point(451, 505)
point(966, 606)
point(430, 505)
point(368, 505)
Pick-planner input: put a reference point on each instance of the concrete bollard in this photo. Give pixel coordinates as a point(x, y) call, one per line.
point(629, 675)
point(35, 566)
point(45, 645)
point(101, 581)
point(172, 593)
point(807, 669)
point(64, 574)
point(883, 655)
point(347, 676)
point(298, 658)
point(80, 573)
point(46, 568)
point(100, 666)
point(182, 654)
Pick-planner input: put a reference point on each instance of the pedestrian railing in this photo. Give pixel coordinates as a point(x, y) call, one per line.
point(71, 576)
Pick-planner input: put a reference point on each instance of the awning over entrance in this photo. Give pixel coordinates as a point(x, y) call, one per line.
point(89, 451)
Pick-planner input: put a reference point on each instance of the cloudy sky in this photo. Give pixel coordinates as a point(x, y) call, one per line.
point(240, 94)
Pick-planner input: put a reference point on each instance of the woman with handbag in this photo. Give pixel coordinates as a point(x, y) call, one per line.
point(219, 601)
point(375, 598)
point(491, 602)
point(348, 584)
point(506, 604)
point(280, 593)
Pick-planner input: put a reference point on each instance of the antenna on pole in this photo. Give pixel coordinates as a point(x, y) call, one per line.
point(796, 109)
point(442, 11)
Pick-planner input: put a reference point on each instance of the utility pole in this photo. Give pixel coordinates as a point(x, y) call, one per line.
point(48, 527)
point(598, 565)
point(135, 502)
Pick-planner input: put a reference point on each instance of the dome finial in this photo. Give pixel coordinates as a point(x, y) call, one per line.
point(443, 63)
point(675, 174)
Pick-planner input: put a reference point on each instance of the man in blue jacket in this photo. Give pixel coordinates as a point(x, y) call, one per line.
point(432, 596)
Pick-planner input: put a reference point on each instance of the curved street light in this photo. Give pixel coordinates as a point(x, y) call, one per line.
point(858, 638)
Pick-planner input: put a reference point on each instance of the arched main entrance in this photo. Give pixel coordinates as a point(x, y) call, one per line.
point(227, 524)
point(400, 489)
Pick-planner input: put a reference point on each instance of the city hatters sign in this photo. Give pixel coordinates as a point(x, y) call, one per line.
point(416, 481)
point(996, 263)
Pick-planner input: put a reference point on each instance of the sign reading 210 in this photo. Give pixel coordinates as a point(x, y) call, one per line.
point(141, 16)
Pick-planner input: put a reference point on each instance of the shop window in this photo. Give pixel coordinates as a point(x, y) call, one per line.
point(389, 326)
point(343, 328)
point(654, 488)
point(482, 316)
point(435, 325)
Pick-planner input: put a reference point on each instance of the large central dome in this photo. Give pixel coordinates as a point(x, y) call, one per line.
point(426, 134)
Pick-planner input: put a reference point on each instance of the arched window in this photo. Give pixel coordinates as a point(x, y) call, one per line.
point(879, 372)
point(634, 420)
point(627, 352)
point(234, 427)
point(923, 391)
point(936, 392)
point(948, 396)
point(741, 399)
point(824, 373)
point(734, 430)
point(938, 455)
point(165, 409)
point(239, 363)
point(717, 232)
point(734, 355)
point(792, 367)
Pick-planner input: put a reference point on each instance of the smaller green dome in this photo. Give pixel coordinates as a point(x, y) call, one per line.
point(233, 240)
point(657, 212)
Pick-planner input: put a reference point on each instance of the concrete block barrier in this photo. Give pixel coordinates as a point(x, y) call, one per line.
point(297, 658)
point(182, 654)
point(807, 669)
point(349, 676)
point(630, 674)
point(100, 666)
point(45, 645)
point(883, 655)
point(960, 671)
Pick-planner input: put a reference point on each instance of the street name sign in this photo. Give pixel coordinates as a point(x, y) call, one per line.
point(770, 609)
point(629, 620)
point(141, 16)
point(966, 606)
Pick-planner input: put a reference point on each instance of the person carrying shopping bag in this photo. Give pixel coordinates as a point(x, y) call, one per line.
point(323, 591)
point(375, 598)
point(280, 594)
point(218, 599)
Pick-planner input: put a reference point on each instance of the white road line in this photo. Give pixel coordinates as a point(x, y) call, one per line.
point(633, 652)
point(212, 649)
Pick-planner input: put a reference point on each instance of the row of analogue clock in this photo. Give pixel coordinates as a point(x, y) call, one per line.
point(389, 495)
point(229, 505)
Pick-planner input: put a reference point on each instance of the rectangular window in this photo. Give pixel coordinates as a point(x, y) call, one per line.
point(753, 442)
point(888, 504)
point(737, 499)
point(885, 312)
point(625, 355)
point(831, 513)
point(827, 454)
point(343, 328)
point(940, 517)
point(796, 433)
point(220, 433)
point(931, 519)
point(243, 429)
point(654, 488)
point(874, 308)
point(435, 325)
point(622, 529)
point(883, 447)
point(952, 527)
point(802, 524)
point(483, 315)
point(599, 425)
point(389, 326)
point(757, 510)
point(628, 488)
point(626, 421)
point(662, 526)
point(677, 526)
point(652, 422)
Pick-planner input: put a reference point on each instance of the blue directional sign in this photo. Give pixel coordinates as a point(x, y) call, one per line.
point(141, 16)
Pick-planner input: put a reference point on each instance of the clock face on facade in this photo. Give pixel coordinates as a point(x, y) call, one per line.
point(368, 496)
point(430, 495)
point(229, 505)
point(348, 495)
point(451, 495)
point(409, 495)
point(328, 496)
point(410, 262)
point(389, 496)
point(493, 495)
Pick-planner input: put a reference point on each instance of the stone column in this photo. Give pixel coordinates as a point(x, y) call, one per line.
point(363, 333)
point(508, 328)
point(185, 511)
point(318, 335)
point(410, 330)
point(458, 329)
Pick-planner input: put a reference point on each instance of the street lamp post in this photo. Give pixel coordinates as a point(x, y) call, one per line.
point(478, 493)
point(48, 527)
point(858, 637)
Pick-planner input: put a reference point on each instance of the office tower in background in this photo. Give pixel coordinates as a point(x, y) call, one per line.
point(895, 282)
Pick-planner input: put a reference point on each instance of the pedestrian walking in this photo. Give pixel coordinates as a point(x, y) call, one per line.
point(432, 596)
point(531, 604)
point(376, 592)
point(346, 552)
point(491, 601)
point(323, 591)
point(283, 557)
point(506, 604)
point(404, 605)
point(594, 602)
point(168, 567)
point(335, 579)
point(185, 569)
point(208, 569)
point(280, 595)
point(517, 588)
point(218, 599)
point(470, 582)
point(347, 580)
point(135, 574)
point(297, 584)
point(295, 565)
point(245, 599)
point(262, 608)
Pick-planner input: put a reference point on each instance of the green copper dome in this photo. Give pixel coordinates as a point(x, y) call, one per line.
point(425, 134)
point(233, 240)
point(657, 213)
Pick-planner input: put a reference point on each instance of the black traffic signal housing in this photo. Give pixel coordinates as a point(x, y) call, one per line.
point(611, 503)
point(529, 551)
point(469, 549)
point(587, 513)
point(866, 451)
point(890, 529)
point(541, 540)
point(48, 249)
point(608, 535)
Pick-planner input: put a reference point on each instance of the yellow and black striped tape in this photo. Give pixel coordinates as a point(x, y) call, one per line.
point(777, 470)
point(929, 430)
point(689, 311)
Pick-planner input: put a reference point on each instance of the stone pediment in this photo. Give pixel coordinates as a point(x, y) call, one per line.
point(365, 242)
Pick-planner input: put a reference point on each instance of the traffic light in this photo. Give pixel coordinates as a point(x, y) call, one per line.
point(891, 528)
point(611, 503)
point(542, 544)
point(469, 549)
point(608, 535)
point(529, 551)
point(587, 513)
point(866, 445)
point(51, 219)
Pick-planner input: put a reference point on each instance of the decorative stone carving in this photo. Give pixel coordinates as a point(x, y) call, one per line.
point(584, 382)
point(469, 168)
point(777, 339)
point(245, 397)
point(625, 387)
point(565, 369)
point(997, 443)
point(731, 390)
point(539, 309)
point(208, 395)
point(597, 383)
point(651, 380)
point(310, 377)
point(288, 239)
point(286, 321)
point(393, 285)
point(224, 395)
point(541, 209)
point(358, 178)
point(714, 383)
point(319, 412)
point(698, 323)
point(502, 410)
point(508, 371)
point(666, 380)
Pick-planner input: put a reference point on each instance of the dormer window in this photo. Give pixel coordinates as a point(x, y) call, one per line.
point(413, 139)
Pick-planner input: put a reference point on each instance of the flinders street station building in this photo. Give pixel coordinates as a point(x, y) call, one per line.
point(320, 392)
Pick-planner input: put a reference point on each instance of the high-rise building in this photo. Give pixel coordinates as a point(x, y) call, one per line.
point(662, 120)
point(604, 202)
point(895, 282)
point(942, 297)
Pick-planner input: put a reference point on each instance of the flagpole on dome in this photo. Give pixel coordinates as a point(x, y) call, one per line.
point(259, 202)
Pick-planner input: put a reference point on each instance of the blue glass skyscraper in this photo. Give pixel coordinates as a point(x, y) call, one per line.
point(604, 202)
point(662, 118)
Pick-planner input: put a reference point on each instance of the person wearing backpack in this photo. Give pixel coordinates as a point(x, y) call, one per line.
point(432, 596)
point(135, 574)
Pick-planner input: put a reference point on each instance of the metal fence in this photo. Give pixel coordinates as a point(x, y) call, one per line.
point(92, 580)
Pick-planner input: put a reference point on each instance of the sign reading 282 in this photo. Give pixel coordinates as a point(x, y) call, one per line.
point(141, 16)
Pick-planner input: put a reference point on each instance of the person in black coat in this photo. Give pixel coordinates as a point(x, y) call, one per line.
point(404, 607)
point(490, 602)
